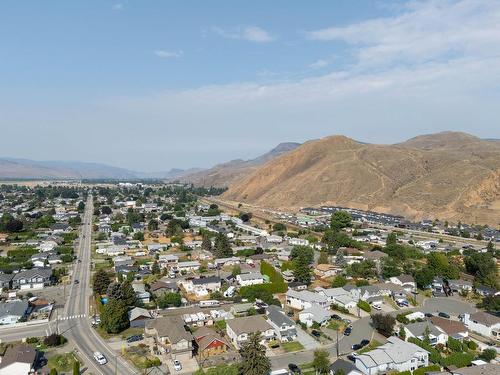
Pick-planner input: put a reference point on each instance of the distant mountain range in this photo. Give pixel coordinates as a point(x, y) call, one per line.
point(11, 168)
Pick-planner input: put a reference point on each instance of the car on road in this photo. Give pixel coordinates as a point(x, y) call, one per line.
point(177, 365)
point(429, 315)
point(100, 358)
point(134, 338)
point(316, 333)
point(348, 331)
point(76, 282)
point(294, 369)
point(444, 315)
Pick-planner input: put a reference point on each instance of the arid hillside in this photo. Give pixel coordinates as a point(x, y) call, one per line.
point(449, 175)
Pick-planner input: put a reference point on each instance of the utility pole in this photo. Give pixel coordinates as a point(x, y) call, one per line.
point(337, 344)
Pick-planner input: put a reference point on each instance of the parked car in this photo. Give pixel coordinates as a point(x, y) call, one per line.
point(364, 342)
point(294, 369)
point(76, 282)
point(347, 331)
point(134, 338)
point(444, 315)
point(429, 315)
point(315, 333)
point(352, 357)
point(177, 365)
point(356, 347)
point(100, 358)
point(336, 317)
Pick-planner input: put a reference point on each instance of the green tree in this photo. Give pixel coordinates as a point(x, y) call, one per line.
point(301, 271)
point(114, 316)
point(76, 368)
point(155, 269)
point(340, 220)
point(402, 333)
point(206, 243)
point(363, 270)
point(279, 227)
point(236, 270)
point(222, 247)
point(488, 355)
point(490, 247)
point(153, 225)
point(339, 258)
point(128, 294)
point(390, 268)
point(424, 277)
point(101, 282)
point(307, 251)
point(253, 357)
point(169, 300)
point(490, 303)
point(392, 239)
point(53, 371)
point(323, 258)
point(339, 281)
point(483, 266)
point(383, 323)
point(139, 236)
point(321, 363)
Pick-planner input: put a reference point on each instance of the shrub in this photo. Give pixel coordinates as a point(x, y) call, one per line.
point(54, 340)
point(365, 306)
point(434, 355)
point(455, 345)
point(457, 359)
point(401, 318)
point(471, 345)
point(334, 306)
point(488, 355)
point(423, 370)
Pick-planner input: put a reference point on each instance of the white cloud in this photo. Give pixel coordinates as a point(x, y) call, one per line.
point(422, 32)
point(118, 7)
point(250, 33)
point(168, 54)
point(318, 64)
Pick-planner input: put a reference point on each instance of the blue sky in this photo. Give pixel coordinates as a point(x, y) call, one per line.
point(151, 85)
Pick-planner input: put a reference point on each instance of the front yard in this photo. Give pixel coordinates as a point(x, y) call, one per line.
point(293, 346)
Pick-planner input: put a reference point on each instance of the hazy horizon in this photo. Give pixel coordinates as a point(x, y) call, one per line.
point(154, 86)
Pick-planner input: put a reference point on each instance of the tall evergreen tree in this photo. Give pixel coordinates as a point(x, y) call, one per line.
point(206, 242)
point(222, 247)
point(253, 357)
point(301, 271)
point(101, 282)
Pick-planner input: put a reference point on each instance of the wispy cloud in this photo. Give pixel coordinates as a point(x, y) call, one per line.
point(168, 54)
point(318, 64)
point(117, 7)
point(250, 33)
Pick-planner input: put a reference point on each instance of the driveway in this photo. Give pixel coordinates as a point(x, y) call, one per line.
point(307, 341)
point(449, 305)
point(188, 366)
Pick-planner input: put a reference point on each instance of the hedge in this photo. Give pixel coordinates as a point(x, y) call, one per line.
point(423, 370)
point(434, 355)
point(363, 305)
point(458, 359)
point(342, 309)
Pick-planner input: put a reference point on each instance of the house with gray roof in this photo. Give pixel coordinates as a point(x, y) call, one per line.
point(36, 278)
point(169, 335)
point(305, 299)
point(239, 329)
point(314, 314)
point(283, 326)
point(396, 355)
point(252, 278)
point(5, 280)
point(419, 330)
point(13, 311)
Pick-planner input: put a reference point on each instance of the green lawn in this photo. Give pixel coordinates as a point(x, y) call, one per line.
point(372, 345)
point(221, 324)
point(293, 346)
point(62, 362)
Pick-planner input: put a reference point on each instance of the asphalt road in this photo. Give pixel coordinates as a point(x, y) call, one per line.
point(76, 324)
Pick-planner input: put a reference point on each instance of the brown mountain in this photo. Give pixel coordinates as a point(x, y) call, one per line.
point(449, 175)
point(227, 173)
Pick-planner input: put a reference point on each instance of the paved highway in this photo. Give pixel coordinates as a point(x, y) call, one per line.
point(76, 324)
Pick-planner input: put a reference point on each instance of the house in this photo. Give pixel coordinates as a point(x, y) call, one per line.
point(170, 337)
point(304, 299)
point(239, 329)
point(159, 288)
point(221, 262)
point(420, 329)
point(189, 266)
point(406, 281)
point(5, 280)
point(282, 324)
point(314, 314)
point(60, 228)
point(298, 242)
point(202, 286)
point(168, 260)
point(12, 312)
point(48, 246)
point(297, 285)
point(35, 278)
point(485, 324)
point(252, 278)
point(141, 293)
point(486, 291)
point(344, 367)
point(241, 308)
point(138, 317)
point(324, 271)
point(288, 276)
point(338, 296)
point(375, 255)
point(458, 286)
point(396, 355)
point(452, 328)
point(209, 343)
point(19, 360)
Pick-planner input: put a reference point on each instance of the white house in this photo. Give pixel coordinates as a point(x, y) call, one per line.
point(485, 324)
point(314, 314)
point(188, 266)
point(396, 355)
point(252, 278)
point(298, 241)
point(203, 286)
point(282, 324)
point(168, 260)
point(304, 299)
point(338, 296)
point(418, 330)
point(12, 312)
point(239, 329)
point(406, 281)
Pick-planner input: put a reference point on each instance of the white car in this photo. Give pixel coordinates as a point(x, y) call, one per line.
point(177, 365)
point(100, 358)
